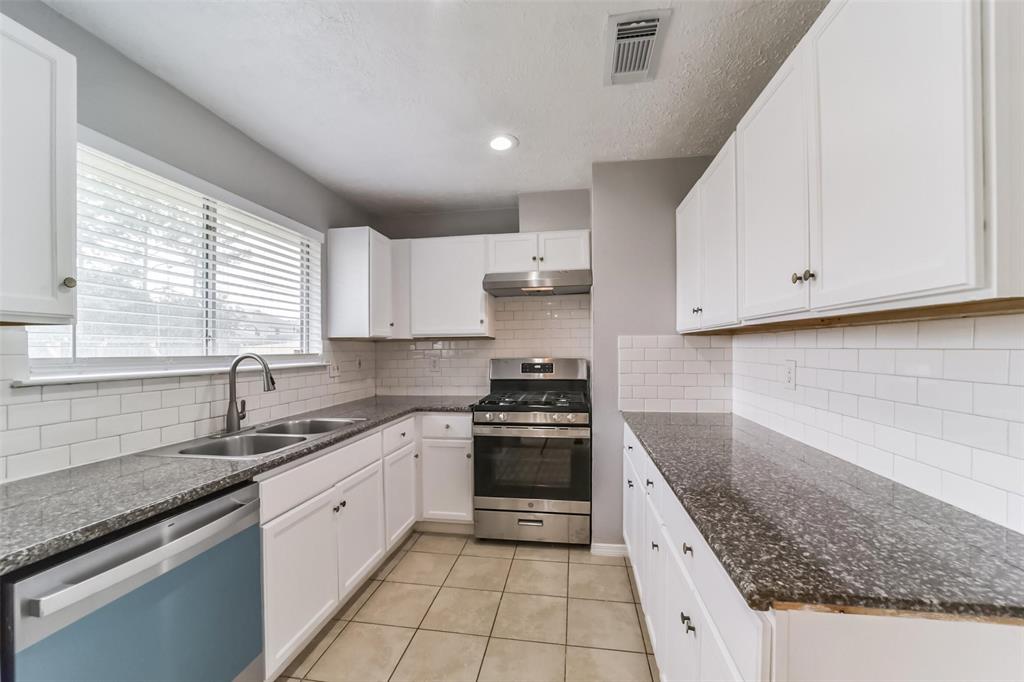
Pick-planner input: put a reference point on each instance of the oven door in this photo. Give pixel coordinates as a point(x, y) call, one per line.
point(532, 468)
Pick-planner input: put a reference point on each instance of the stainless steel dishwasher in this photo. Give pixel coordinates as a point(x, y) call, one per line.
point(178, 600)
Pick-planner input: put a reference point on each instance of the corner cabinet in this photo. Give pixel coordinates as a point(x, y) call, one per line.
point(706, 247)
point(528, 251)
point(446, 280)
point(359, 284)
point(37, 163)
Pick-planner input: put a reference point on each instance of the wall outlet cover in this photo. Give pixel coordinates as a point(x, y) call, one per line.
point(789, 375)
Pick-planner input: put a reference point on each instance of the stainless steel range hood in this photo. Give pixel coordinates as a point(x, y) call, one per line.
point(538, 283)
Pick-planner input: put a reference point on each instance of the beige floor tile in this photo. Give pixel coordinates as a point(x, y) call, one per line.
point(422, 568)
point(362, 653)
point(599, 582)
point(410, 541)
point(388, 565)
point(539, 551)
point(478, 573)
point(441, 656)
point(356, 601)
point(598, 665)
point(582, 555)
point(496, 549)
point(538, 577)
point(441, 544)
point(470, 612)
point(401, 604)
point(532, 617)
point(510, 660)
point(604, 624)
point(303, 662)
point(643, 629)
point(655, 673)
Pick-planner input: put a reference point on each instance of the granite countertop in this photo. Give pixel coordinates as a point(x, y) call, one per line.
point(793, 525)
point(44, 515)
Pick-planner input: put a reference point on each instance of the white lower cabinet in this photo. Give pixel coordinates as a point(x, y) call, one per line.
point(448, 480)
point(300, 576)
point(401, 491)
point(360, 508)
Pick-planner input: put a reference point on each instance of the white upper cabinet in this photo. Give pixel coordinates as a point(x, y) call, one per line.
point(400, 311)
point(527, 251)
point(772, 193)
point(37, 164)
point(718, 239)
point(688, 263)
point(358, 283)
point(515, 252)
point(447, 287)
point(564, 250)
point(898, 161)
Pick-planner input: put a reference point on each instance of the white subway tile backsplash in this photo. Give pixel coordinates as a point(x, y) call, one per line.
point(95, 450)
point(154, 419)
point(37, 462)
point(119, 424)
point(944, 399)
point(37, 414)
point(696, 379)
point(100, 406)
point(140, 402)
point(16, 441)
point(67, 433)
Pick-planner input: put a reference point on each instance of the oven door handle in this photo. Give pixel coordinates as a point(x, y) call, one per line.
point(533, 431)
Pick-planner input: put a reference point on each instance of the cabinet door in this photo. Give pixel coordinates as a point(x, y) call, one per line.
point(381, 320)
point(688, 262)
point(630, 490)
point(400, 249)
point(360, 503)
point(718, 239)
point(772, 188)
point(679, 653)
point(898, 150)
point(400, 492)
point(300, 577)
point(37, 163)
point(654, 572)
point(568, 250)
point(447, 286)
point(447, 479)
point(512, 252)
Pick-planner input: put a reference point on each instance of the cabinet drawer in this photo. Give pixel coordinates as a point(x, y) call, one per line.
point(293, 487)
point(399, 435)
point(738, 626)
point(447, 426)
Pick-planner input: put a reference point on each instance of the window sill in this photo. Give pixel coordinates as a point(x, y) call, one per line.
point(88, 376)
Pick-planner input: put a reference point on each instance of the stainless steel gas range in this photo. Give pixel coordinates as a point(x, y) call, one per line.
point(532, 457)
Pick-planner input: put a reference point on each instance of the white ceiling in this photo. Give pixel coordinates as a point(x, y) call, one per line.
point(392, 103)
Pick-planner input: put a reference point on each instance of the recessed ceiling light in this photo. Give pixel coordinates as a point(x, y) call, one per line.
point(502, 143)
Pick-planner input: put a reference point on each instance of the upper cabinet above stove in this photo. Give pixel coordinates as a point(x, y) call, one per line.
point(529, 251)
point(447, 296)
point(879, 168)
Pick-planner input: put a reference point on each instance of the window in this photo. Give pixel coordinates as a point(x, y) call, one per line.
point(165, 271)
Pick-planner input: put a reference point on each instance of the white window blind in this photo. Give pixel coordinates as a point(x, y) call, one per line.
point(164, 271)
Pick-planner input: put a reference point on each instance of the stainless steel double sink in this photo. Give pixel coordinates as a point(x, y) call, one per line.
point(262, 441)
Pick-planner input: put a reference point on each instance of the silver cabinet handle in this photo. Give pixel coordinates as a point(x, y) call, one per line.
point(796, 278)
point(69, 282)
point(808, 275)
point(162, 557)
point(530, 522)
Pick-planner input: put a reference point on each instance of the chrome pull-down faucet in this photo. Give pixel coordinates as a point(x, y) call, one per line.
point(236, 413)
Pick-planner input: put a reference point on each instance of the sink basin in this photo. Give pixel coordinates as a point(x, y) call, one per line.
point(307, 427)
point(245, 446)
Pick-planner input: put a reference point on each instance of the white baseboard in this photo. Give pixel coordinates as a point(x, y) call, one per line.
point(453, 527)
point(604, 549)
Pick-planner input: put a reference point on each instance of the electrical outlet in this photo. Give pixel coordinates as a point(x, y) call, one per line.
point(359, 362)
point(333, 370)
point(435, 365)
point(789, 375)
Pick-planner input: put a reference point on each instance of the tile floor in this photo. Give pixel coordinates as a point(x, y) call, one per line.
point(452, 608)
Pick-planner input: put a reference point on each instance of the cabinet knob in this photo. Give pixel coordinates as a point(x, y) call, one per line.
point(469, 455)
point(691, 629)
point(650, 483)
point(481, 321)
point(337, 508)
point(416, 456)
point(542, 258)
point(630, 448)
point(533, 257)
point(69, 282)
point(629, 483)
point(391, 324)
point(808, 275)
point(796, 278)
point(447, 426)
point(687, 549)
point(403, 434)
point(654, 546)
point(683, 618)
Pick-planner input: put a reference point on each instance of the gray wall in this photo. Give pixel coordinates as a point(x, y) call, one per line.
point(565, 210)
point(445, 224)
point(122, 100)
point(633, 240)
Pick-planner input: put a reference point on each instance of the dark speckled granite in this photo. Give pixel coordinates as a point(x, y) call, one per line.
point(793, 524)
point(45, 515)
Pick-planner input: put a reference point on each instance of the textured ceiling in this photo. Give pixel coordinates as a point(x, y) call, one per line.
point(392, 103)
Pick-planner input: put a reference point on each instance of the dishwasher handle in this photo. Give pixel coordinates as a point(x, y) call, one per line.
point(48, 604)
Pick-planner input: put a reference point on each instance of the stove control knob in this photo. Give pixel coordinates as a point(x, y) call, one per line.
point(502, 416)
point(489, 417)
point(570, 417)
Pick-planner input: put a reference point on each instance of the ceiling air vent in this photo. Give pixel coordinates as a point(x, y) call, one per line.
point(634, 46)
